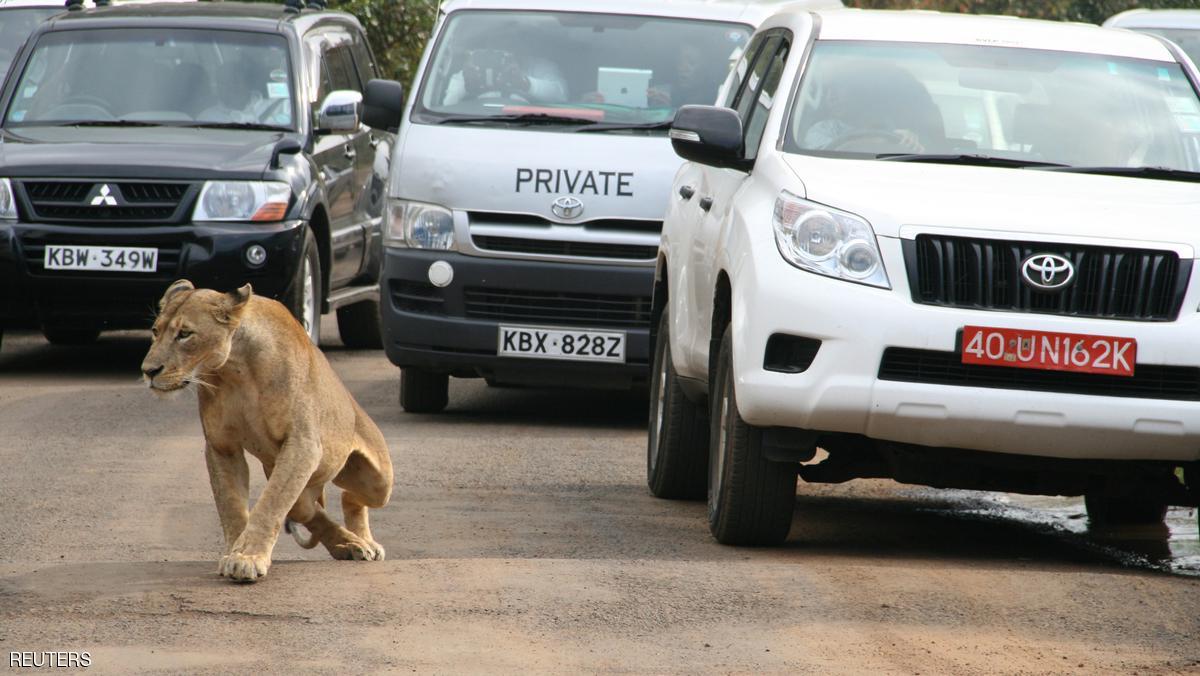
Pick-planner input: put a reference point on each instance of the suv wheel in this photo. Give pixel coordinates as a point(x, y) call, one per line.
point(750, 498)
point(70, 335)
point(304, 295)
point(358, 325)
point(423, 391)
point(677, 448)
point(1104, 510)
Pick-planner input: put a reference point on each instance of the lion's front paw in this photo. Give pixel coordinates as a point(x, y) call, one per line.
point(358, 550)
point(243, 567)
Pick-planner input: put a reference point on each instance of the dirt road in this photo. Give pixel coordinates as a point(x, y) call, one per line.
point(521, 538)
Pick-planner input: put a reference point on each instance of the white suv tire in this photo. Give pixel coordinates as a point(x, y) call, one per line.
point(677, 446)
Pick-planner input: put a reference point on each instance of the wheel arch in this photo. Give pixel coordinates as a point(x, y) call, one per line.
point(722, 314)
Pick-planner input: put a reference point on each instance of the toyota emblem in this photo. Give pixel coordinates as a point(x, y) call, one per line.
point(1047, 272)
point(567, 207)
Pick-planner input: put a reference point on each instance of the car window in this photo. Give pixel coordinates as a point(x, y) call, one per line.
point(607, 68)
point(166, 76)
point(1187, 39)
point(737, 76)
point(764, 98)
point(363, 61)
point(864, 99)
point(745, 98)
point(339, 63)
point(16, 24)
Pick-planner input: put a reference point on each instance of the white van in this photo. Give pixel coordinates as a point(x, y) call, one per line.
point(529, 184)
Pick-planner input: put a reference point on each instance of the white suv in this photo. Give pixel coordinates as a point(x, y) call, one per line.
point(948, 250)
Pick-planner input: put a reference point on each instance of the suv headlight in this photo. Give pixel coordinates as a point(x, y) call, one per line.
point(8, 200)
point(419, 225)
point(828, 242)
point(259, 201)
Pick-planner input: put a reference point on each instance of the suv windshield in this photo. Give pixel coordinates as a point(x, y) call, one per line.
point(157, 76)
point(865, 99)
point(530, 67)
point(15, 25)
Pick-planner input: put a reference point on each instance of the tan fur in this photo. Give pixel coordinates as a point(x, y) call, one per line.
point(266, 390)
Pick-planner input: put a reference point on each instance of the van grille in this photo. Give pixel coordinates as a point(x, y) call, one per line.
point(560, 248)
point(572, 309)
point(985, 274)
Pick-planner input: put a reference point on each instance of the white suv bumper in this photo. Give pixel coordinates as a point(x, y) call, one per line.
point(842, 392)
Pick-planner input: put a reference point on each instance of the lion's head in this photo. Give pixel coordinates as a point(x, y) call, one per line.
point(192, 335)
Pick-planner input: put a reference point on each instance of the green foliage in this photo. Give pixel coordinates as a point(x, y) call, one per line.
point(397, 29)
point(1091, 11)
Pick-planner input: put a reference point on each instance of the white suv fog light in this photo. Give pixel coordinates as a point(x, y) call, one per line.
point(441, 274)
point(256, 255)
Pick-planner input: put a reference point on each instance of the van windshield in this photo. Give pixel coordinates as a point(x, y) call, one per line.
point(15, 25)
point(881, 100)
point(537, 67)
point(155, 76)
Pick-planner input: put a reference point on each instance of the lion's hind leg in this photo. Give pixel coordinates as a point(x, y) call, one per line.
point(366, 481)
point(341, 543)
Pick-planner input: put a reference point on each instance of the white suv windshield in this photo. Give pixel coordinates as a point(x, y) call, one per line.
point(861, 99)
point(113, 76)
point(15, 25)
point(598, 67)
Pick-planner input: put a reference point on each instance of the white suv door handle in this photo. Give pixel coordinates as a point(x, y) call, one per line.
point(686, 191)
point(706, 203)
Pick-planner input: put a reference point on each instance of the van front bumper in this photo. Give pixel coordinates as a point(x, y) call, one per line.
point(455, 329)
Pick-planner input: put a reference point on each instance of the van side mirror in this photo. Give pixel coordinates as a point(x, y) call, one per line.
point(709, 135)
point(341, 111)
point(383, 105)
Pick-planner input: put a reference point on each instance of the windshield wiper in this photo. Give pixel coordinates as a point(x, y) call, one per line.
point(621, 126)
point(969, 159)
point(1163, 173)
point(531, 118)
point(108, 123)
point(235, 125)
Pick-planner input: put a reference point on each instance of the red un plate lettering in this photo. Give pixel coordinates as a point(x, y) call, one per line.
point(1049, 350)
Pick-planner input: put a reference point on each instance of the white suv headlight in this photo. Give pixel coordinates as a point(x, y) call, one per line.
point(828, 242)
point(419, 225)
point(8, 200)
point(243, 201)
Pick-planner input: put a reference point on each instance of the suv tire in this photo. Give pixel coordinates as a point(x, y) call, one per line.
point(750, 498)
point(1105, 510)
point(359, 327)
point(677, 446)
point(423, 391)
point(63, 335)
point(303, 297)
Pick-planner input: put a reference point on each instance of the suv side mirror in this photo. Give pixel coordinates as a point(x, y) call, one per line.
point(384, 104)
point(709, 135)
point(340, 112)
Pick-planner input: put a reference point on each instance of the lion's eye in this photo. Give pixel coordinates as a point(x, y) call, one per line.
point(184, 334)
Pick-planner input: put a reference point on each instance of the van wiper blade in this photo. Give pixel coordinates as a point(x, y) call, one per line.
point(254, 126)
point(531, 118)
point(968, 159)
point(1163, 173)
point(621, 126)
point(107, 123)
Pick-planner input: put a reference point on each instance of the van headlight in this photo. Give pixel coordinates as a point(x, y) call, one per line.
point(8, 201)
point(419, 225)
point(260, 201)
point(828, 242)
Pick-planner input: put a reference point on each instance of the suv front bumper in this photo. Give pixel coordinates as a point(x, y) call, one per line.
point(843, 391)
point(448, 330)
point(211, 255)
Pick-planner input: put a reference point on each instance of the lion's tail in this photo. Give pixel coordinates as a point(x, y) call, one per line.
point(290, 526)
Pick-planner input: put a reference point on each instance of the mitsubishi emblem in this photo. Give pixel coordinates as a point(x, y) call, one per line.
point(104, 198)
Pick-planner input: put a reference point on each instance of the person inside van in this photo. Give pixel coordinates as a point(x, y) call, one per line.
point(501, 74)
point(690, 81)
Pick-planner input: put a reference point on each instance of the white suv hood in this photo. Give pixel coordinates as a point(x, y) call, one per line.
point(891, 195)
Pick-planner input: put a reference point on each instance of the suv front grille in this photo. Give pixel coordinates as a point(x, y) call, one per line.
point(1150, 381)
point(136, 202)
point(985, 274)
point(571, 309)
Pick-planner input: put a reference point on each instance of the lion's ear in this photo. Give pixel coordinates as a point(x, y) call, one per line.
point(180, 285)
point(235, 303)
point(239, 297)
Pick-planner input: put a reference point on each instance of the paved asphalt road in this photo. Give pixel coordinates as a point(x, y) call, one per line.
point(521, 538)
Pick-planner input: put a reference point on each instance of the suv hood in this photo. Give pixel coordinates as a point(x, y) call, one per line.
point(891, 195)
point(522, 171)
point(135, 152)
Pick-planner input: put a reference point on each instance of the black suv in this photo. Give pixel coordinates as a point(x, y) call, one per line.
point(222, 142)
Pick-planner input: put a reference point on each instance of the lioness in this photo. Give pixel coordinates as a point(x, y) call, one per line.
point(264, 388)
